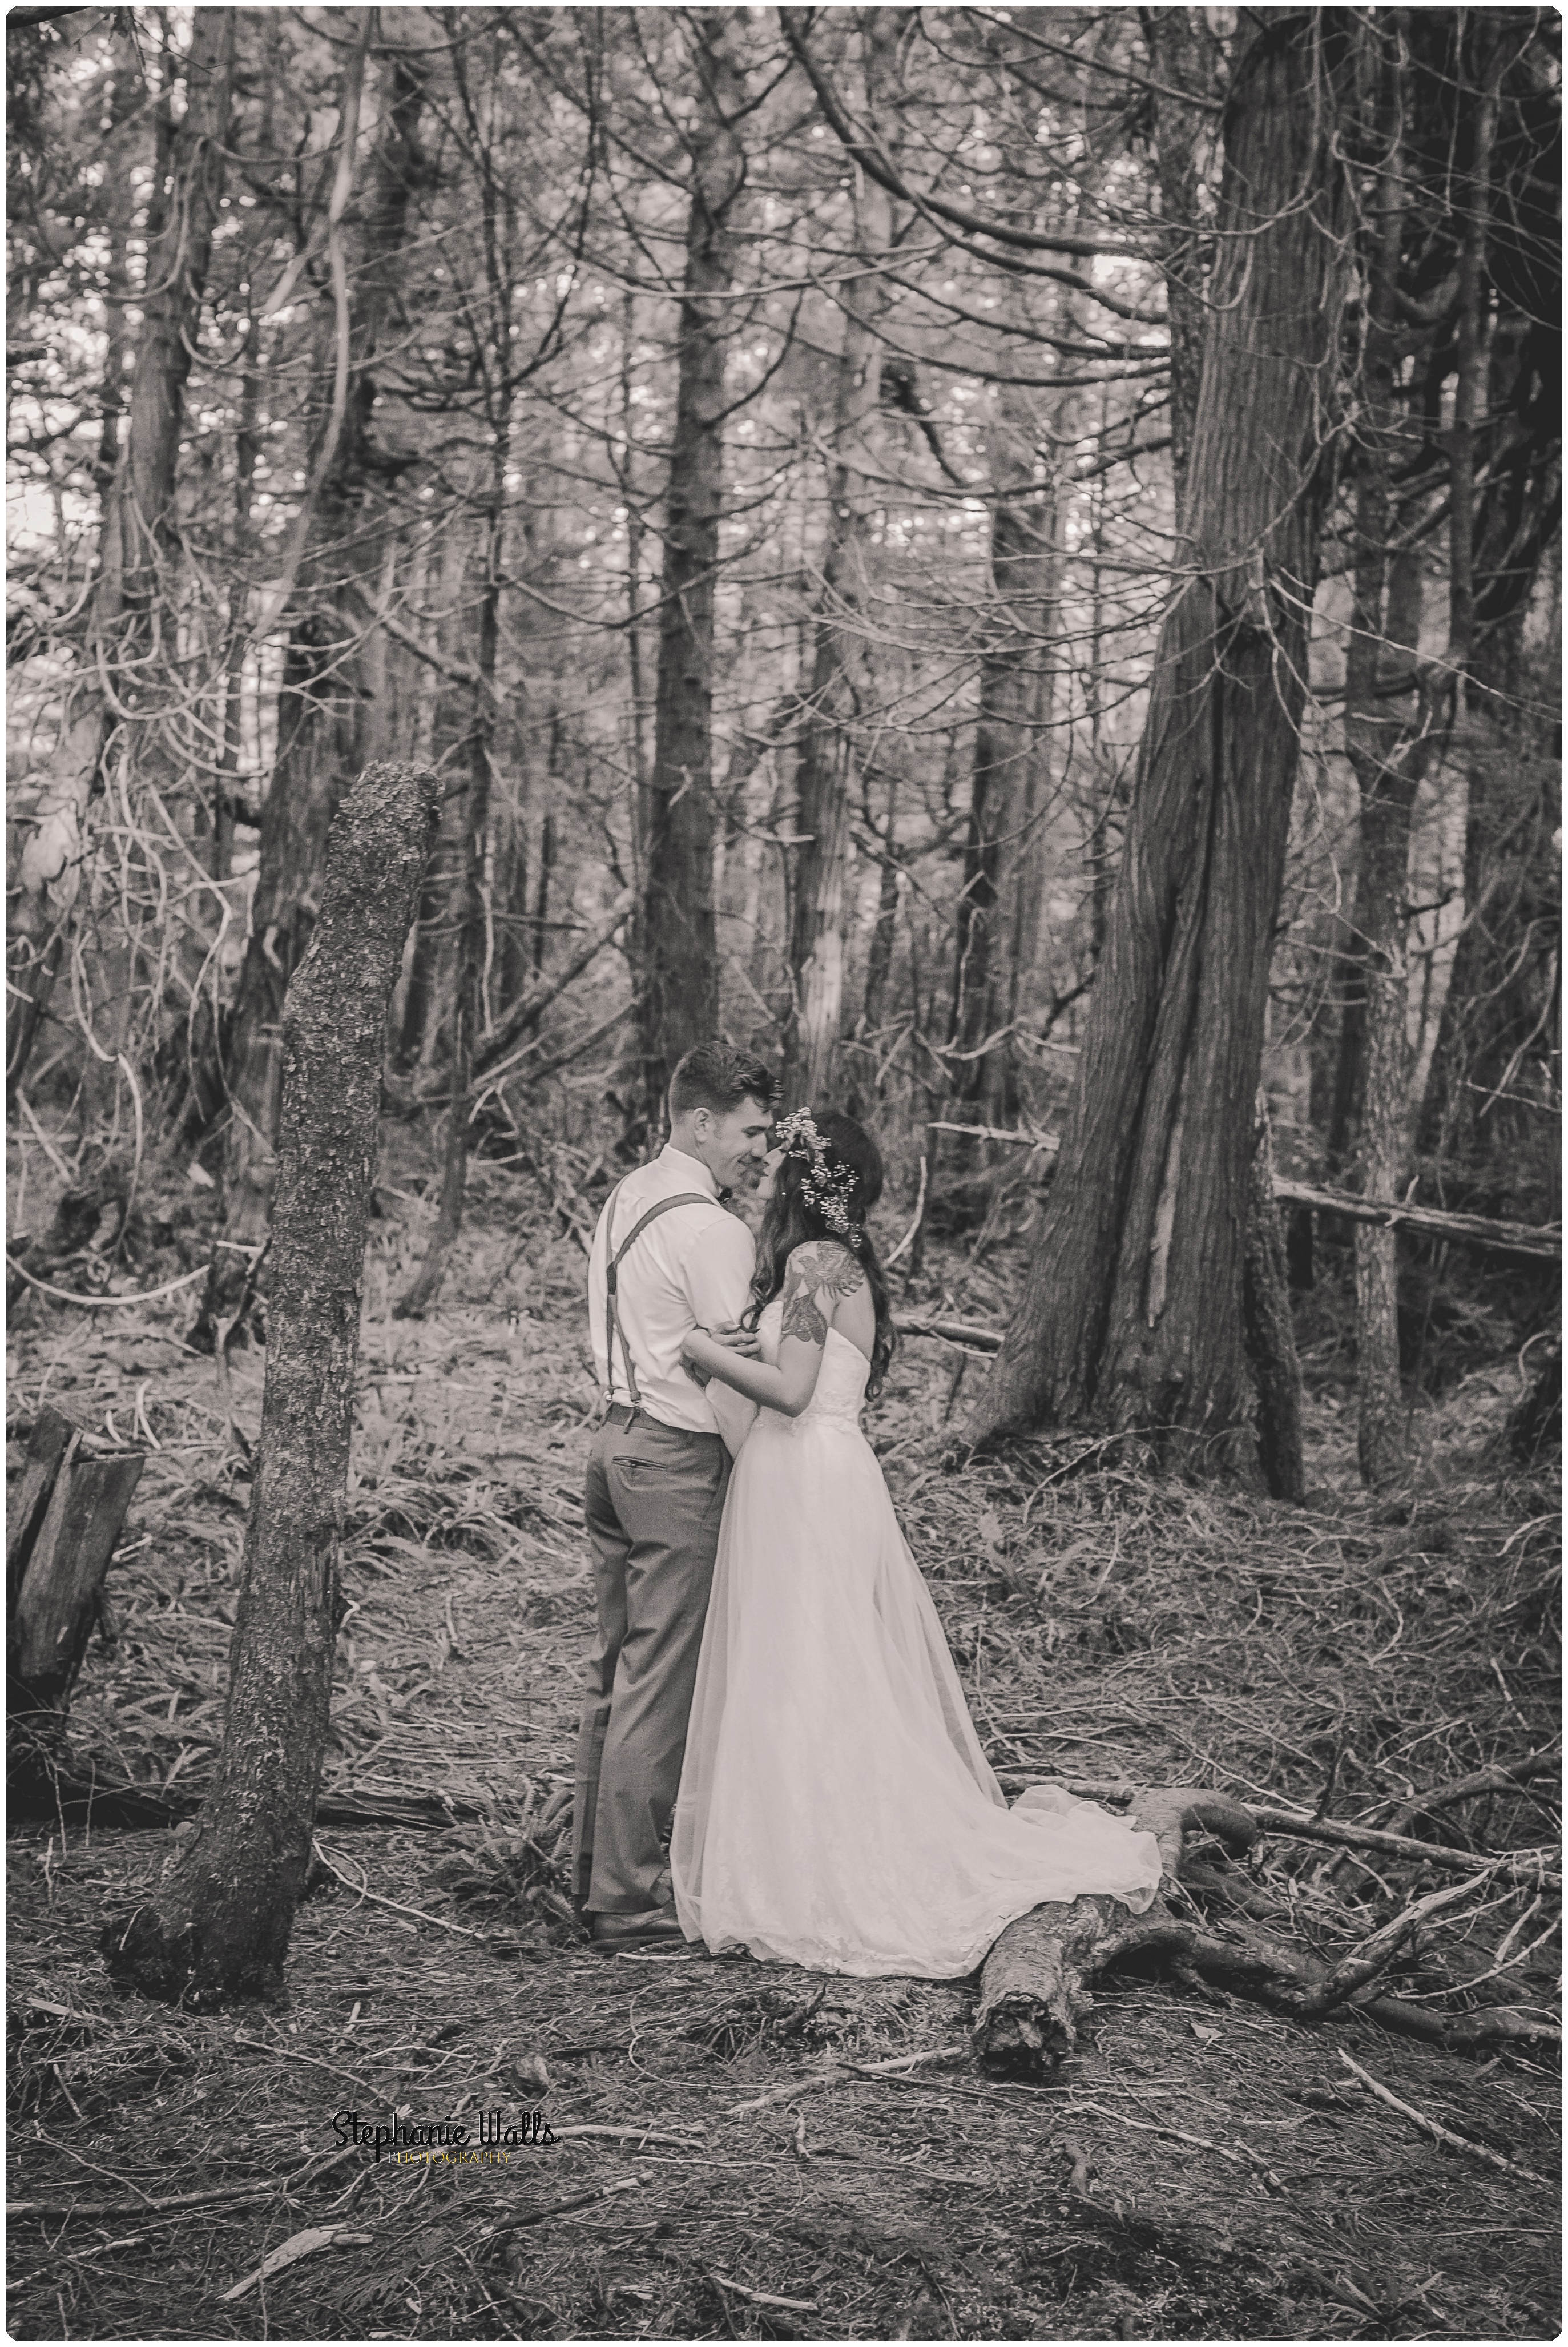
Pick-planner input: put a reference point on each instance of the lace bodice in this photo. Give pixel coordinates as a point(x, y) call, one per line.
point(841, 1381)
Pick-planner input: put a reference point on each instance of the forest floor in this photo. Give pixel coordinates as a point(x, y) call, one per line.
point(1201, 2167)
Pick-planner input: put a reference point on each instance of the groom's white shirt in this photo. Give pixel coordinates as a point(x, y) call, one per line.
point(692, 1268)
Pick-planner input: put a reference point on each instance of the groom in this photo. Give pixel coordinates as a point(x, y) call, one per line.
point(666, 1257)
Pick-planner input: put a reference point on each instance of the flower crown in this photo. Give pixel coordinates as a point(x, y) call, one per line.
point(829, 1188)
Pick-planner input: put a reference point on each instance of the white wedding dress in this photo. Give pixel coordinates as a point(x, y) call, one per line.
point(835, 1809)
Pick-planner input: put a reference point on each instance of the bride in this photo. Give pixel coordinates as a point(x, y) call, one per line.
point(835, 1809)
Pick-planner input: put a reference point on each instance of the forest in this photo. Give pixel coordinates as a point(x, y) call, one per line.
point(1007, 560)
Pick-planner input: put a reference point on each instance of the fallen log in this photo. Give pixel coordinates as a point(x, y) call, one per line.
point(952, 1332)
point(1544, 1242)
point(63, 1528)
point(1033, 1988)
point(1036, 1982)
point(92, 1800)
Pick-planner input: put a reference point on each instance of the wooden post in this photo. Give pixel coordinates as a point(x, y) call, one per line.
point(64, 1525)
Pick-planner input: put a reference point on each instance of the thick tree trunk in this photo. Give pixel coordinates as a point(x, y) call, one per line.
point(220, 1925)
point(1133, 1305)
point(328, 715)
point(1182, 53)
point(674, 946)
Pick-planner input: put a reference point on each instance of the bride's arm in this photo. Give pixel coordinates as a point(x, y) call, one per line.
point(815, 1281)
point(787, 1387)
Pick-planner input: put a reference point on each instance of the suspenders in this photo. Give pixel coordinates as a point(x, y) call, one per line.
point(614, 1254)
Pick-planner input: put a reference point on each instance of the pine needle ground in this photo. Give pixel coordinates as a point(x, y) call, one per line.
point(1202, 2168)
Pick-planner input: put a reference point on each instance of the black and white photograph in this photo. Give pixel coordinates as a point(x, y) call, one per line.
point(783, 1172)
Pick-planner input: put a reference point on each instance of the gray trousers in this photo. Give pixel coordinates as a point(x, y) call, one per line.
point(652, 1501)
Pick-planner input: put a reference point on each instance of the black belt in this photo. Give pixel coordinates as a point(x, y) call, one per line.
point(626, 1413)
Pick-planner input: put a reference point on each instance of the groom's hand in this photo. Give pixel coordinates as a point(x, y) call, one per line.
point(736, 1339)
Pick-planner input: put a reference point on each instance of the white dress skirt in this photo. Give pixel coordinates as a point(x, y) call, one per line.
point(835, 1809)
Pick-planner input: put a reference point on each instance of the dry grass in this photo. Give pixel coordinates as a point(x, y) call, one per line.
point(1203, 2169)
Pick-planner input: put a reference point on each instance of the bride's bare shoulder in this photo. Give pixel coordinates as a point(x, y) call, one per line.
point(819, 1275)
point(823, 1264)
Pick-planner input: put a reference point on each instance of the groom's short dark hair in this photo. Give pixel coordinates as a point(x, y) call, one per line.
point(719, 1076)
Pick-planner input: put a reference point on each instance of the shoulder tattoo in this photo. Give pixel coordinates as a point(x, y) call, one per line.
point(819, 1276)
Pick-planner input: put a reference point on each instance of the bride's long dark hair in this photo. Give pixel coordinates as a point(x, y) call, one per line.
point(790, 1218)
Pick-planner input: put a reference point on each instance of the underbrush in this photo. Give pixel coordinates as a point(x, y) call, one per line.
point(1202, 2168)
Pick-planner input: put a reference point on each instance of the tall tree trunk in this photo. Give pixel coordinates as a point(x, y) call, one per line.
point(218, 1926)
point(1479, 1118)
point(842, 686)
point(1182, 53)
point(542, 890)
point(326, 708)
point(510, 893)
point(469, 901)
point(885, 929)
point(1006, 748)
point(430, 962)
point(1391, 749)
point(675, 942)
point(1133, 1305)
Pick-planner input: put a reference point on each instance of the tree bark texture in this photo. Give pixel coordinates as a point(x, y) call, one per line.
point(987, 976)
point(1034, 1984)
point(178, 255)
point(841, 688)
point(1268, 1330)
point(61, 1530)
point(885, 929)
point(220, 1925)
point(328, 709)
point(1133, 1305)
point(432, 954)
point(1181, 52)
point(471, 906)
point(1482, 1113)
point(675, 945)
point(1391, 743)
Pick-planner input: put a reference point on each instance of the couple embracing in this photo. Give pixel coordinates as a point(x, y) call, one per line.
point(776, 1754)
